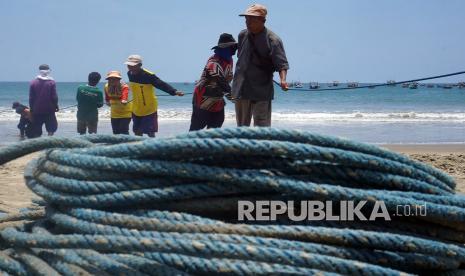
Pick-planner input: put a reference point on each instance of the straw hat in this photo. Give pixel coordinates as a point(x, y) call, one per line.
point(113, 74)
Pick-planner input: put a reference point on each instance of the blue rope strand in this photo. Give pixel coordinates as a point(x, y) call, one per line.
point(104, 198)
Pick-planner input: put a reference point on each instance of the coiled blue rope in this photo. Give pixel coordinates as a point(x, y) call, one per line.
point(138, 206)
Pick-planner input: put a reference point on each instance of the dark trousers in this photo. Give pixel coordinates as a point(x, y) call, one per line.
point(204, 118)
point(120, 125)
point(38, 120)
point(83, 126)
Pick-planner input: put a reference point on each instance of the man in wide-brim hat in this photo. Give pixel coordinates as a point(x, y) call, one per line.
point(208, 103)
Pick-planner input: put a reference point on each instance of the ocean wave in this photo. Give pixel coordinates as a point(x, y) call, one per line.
point(371, 116)
point(282, 115)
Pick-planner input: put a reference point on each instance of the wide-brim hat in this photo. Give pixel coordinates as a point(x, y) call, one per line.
point(113, 74)
point(225, 41)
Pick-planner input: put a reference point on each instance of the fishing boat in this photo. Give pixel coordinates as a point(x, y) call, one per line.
point(413, 85)
point(352, 84)
point(461, 84)
point(314, 85)
point(405, 85)
point(429, 85)
point(335, 83)
point(447, 86)
point(391, 82)
point(298, 84)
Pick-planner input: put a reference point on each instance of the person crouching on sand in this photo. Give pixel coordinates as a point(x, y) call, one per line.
point(89, 99)
point(25, 122)
point(116, 96)
point(208, 103)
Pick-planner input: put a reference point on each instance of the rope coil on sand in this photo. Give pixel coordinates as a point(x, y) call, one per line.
point(135, 206)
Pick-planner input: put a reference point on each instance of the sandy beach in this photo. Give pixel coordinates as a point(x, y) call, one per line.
point(448, 157)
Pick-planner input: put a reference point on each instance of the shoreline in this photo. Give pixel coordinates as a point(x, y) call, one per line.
point(380, 133)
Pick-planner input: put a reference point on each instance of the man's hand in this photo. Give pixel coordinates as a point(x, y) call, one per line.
point(179, 93)
point(124, 101)
point(229, 97)
point(282, 78)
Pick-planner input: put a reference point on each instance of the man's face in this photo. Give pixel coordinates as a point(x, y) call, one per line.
point(135, 69)
point(255, 24)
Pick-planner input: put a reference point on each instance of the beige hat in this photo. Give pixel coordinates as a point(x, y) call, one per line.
point(133, 60)
point(113, 74)
point(255, 10)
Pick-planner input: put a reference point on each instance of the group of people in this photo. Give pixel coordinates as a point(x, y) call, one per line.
point(260, 53)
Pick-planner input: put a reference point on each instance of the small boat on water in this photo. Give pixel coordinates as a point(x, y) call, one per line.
point(413, 85)
point(461, 84)
point(335, 83)
point(314, 85)
point(429, 85)
point(298, 84)
point(447, 86)
point(391, 82)
point(405, 85)
point(352, 84)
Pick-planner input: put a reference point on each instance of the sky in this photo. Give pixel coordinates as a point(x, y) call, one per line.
point(358, 40)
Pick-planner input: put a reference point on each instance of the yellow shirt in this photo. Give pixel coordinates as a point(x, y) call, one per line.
point(143, 92)
point(118, 109)
point(144, 101)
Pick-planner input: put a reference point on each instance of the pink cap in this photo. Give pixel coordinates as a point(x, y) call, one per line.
point(255, 10)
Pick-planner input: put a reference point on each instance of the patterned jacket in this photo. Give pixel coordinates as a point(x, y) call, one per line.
point(214, 84)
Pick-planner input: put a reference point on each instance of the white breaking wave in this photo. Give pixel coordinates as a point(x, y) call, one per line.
point(372, 116)
point(281, 115)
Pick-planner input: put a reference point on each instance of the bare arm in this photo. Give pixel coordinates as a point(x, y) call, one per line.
point(282, 77)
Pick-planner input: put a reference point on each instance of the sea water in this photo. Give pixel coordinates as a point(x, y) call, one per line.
point(388, 114)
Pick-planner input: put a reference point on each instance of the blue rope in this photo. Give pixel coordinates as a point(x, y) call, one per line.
point(109, 206)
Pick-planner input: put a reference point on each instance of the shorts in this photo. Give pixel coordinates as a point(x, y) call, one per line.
point(145, 124)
